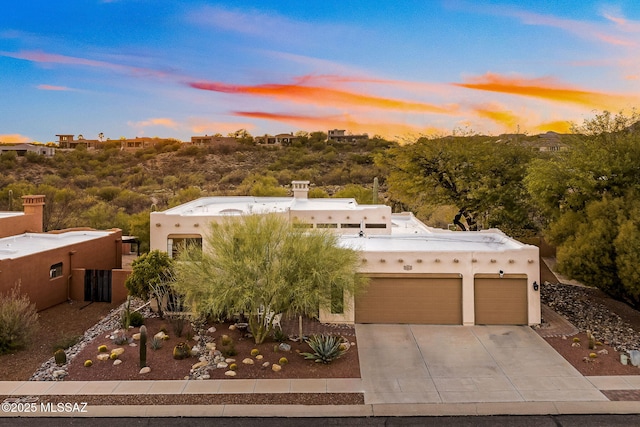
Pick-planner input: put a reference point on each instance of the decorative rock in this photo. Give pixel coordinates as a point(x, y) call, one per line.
point(117, 351)
point(232, 327)
point(284, 346)
point(102, 356)
point(200, 365)
point(230, 373)
point(196, 337)
point(59, 373)
point(136, 336)
point(201, 358)
point(210, 346)
point(222, 365)
point(276, 368)
point(229, 360)
point(259, 357)
point(205, 376)
point(195, 350)
point(211, 329)
point(266, 364)
point(117, 362)
point(133, 344)
point(248, 361)
point(145, 370)
point(160, 335)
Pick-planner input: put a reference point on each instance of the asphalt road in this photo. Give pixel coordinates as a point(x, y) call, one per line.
point(478, 421)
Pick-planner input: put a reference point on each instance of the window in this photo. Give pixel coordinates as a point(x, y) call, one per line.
point(350, 226)
point(176, 244)
point(327, 225)
point(376, 225)
point(55, 270)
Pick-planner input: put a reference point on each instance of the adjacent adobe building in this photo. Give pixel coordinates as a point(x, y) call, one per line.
point(51, 268)
point(418, 274)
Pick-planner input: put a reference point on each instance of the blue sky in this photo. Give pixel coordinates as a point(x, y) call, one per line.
point(129, 68)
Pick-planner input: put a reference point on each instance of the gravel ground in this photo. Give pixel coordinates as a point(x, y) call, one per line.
point(590, 310)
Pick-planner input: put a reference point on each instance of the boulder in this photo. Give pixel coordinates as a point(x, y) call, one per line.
point(136, 336)
point(230, 373)
point(117, 351)
point(276, 368)
point(284, 346)
point(145, 370)
point(102, 356)
point(117, 362)
point(248, 361)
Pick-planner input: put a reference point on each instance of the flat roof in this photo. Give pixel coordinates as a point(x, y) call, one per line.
point(435, 241)
point(32, 243)
point(245, 205)
point(9, 214)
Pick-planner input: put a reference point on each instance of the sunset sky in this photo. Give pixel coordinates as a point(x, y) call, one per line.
point(399, 69)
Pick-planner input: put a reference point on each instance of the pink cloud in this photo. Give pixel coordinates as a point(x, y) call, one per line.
point(165, 122)
point(52, 87)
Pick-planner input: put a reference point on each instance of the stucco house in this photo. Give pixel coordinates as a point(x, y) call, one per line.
point(54, 267)
point(418, 274)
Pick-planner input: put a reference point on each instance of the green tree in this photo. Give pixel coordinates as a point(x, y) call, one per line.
point(590, 195)
point(150, 271)
point(363, 196)
point(481, 177)
point(263, 263)
point(260, 185)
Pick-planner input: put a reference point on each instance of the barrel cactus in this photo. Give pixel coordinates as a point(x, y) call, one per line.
point(181, 351)
point(60, 357)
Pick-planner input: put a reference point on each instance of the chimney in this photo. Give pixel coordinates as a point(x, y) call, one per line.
point(300, 189)
point(34, 205)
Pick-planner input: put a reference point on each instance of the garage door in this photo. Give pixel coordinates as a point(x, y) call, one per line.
point(501, 301)
point(421, 299)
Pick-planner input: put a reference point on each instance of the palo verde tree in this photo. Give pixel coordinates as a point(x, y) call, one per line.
point(262, 263)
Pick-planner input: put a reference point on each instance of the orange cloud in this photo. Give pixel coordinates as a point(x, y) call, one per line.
point(559, 126)
point(322, 96)
point(52, 87)
point(14, 138)
point(545, 89)
point(385, 129)
point(497, 115)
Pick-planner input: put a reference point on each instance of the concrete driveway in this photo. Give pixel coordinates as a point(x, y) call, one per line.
point(455, 364)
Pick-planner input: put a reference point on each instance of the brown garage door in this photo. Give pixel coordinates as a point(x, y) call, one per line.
point(501, 301)
point(421, 299)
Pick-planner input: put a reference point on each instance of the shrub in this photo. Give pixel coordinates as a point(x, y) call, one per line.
point(156, 343)
point(18, 320)
point(326, 348)
point(279, 335)
point(136, 319)
point(66, 341)
point(226, 340)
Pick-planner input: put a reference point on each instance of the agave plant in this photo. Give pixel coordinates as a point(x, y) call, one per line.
point(326, 348)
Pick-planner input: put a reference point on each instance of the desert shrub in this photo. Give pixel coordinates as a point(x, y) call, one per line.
point(279, 335)
point(65, 342)
point(136, 319)
point(326, 348)
point(18, 320)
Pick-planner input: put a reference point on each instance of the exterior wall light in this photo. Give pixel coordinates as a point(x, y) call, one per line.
point(196, 225)
point(383, 260)
point(158, 224)
point(535, 286)
point(437, 260)
point(530, 261)
point(401, 260)
point(455, 260)
point(511, 261)
point(178, 225)
point(474, 260)
point(493, 261)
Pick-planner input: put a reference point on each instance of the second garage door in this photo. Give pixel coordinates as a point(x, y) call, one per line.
point(501, 301)
point(418, 299)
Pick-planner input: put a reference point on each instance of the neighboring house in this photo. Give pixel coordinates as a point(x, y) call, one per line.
point(51, 268)
point(418, 274)
point(212, 140)
point(338, 135)
point(135, 144)
point(279, 139)
point(68, 141)
point(23, 149)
